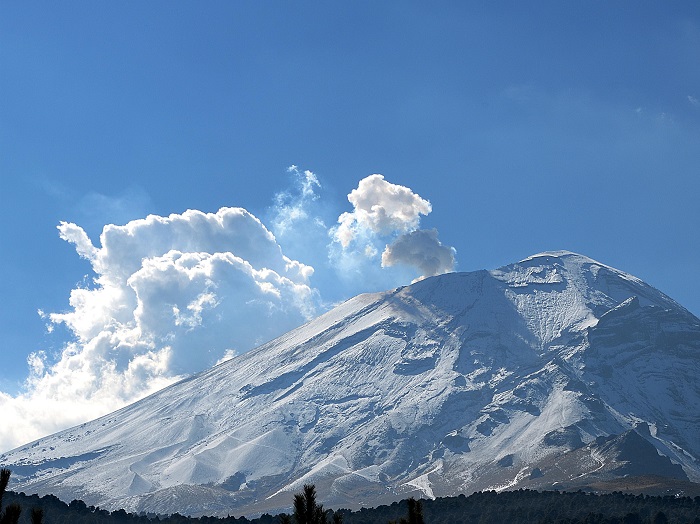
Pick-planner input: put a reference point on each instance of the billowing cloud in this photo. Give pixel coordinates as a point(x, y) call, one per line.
point(420, 249)
point(171, 296)
point(381, 208)
point(385, 219)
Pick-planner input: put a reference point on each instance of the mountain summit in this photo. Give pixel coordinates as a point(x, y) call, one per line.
point(556, 371)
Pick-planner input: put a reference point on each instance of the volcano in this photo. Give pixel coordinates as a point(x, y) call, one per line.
point(554, 372)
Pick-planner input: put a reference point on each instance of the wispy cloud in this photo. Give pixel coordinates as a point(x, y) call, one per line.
point(292, 206)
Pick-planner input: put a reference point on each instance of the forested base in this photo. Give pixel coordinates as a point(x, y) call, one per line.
point(514, 507)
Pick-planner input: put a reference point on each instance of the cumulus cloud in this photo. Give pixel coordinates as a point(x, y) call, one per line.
point(385, 219)
point(381, 208)
point(420, 249)
point(171, 296)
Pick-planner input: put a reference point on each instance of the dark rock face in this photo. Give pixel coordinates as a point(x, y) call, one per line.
point(568, 437)
point(636, 456)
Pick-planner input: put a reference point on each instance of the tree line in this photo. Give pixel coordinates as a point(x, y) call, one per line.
point(488, 507)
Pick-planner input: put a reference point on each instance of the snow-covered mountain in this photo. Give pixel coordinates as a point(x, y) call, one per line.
point(555, 371)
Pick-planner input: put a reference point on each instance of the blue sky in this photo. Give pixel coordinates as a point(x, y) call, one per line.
point(527, 127)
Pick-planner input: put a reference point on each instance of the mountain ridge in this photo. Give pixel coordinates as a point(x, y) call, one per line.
point(456, 383)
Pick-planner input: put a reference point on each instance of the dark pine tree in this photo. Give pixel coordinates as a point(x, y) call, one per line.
point(12, 512)
point(4, 480)
point(660, 518)
point(37, 516)
point(306, 510)
point(415, 513)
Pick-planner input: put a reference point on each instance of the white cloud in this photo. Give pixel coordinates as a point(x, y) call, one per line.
point(78, 237)
point(291, 207)
point(381, 208)
point(693, 101)
point(228, 355)
point(385, 219)
point(420, 249)
point(298, 219)
point(171, 296)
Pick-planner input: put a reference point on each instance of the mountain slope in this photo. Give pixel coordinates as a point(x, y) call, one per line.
point(462, 382)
